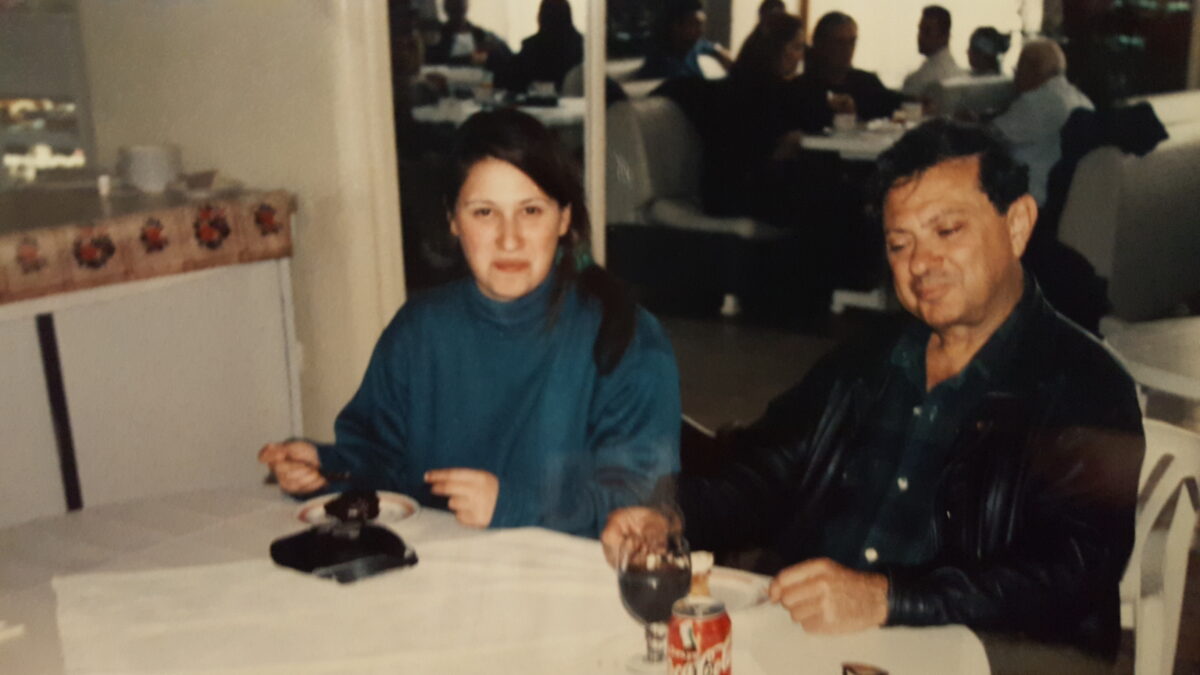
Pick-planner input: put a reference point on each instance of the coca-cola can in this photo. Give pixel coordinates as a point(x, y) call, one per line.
point(700, 638)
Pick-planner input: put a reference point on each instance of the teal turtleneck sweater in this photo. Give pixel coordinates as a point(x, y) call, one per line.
point(460, 380)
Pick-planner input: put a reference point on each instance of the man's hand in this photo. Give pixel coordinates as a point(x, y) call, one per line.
point(634, 521)
point(842, 103)
point(824, 597)
point(295, 464)
point(472, 493)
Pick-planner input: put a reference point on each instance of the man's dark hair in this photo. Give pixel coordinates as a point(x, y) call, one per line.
point(828, 22)
point(939, 14)
point(1001, 177)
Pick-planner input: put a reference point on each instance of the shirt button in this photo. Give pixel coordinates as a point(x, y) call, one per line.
point(871, 555)
point(902, 483)
point(916, 410)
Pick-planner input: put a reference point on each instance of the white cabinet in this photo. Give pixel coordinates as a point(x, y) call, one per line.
point(30, 481)
point(172, 383)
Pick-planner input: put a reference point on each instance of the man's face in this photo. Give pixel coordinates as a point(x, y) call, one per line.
point(953, 256)
point(837, 47)
point(691, 27)
point(930, 36)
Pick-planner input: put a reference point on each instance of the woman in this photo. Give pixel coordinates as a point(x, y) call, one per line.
point(751, 137)
point(549, 54)
point(985, 50)
point(533, 392)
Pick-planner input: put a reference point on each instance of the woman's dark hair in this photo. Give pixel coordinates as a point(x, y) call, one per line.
point(1001, 177)
point(554, 16)
point(770, 6)
point(758, 60)
point(990, 41)
point(517, 138)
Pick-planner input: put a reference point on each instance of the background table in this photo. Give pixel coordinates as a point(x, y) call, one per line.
point(525, 600)
point(863, 145)
point(569, 112)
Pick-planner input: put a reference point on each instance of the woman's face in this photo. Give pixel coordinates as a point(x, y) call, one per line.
point(508, 228)
point(793, 54)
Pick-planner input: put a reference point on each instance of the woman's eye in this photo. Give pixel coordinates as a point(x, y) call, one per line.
point(895, 247)
point(482, 212)
point(532, 210)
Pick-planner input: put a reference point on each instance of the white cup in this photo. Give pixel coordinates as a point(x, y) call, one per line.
point(149, 168)
point(845, 121)
point(913, 111)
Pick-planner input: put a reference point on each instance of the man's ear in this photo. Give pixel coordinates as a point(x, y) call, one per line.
point(1021, 217)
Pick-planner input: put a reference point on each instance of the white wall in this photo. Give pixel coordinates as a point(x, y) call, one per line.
point(276, 93)
point(887, 31)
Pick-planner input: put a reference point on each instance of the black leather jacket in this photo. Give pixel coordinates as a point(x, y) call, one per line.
point(1035, 507)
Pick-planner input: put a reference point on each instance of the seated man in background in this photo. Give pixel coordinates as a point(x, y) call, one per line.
point(678, 42)
point(830, 76)
point(933, 41)
point(1033, 123)
point(976, 466)
point(462, 43)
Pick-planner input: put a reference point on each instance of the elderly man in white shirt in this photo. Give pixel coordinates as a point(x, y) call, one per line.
point(933, 41)
point(1033, 123)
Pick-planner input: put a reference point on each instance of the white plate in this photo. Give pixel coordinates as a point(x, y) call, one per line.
point(737, 589)
point(393, 507)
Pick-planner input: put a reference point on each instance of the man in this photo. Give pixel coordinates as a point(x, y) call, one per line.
point(933, 41)
point(678, 42)
point(976, 466)
point(830, 76)
point(463, 43)
point(1045, 99)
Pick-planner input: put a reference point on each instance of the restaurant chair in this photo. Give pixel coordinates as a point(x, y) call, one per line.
point(659, 233)
point(1167, 513)
point(984, 96)
point(1134, 218)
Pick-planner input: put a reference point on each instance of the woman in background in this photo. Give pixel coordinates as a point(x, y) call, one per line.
point(986, 49)
point(547, 56)
point(532, 393)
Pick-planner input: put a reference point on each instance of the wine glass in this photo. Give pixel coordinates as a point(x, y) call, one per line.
point(653, 571)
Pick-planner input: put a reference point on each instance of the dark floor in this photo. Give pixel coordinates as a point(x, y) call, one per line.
point(729, 370)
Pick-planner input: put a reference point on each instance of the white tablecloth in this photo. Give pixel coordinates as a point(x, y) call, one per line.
point(858, 144)
point(569, 111)
point(184, 584)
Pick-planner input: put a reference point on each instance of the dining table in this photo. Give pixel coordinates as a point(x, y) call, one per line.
point(566, 112)
point(864, 143)
point(184, 583)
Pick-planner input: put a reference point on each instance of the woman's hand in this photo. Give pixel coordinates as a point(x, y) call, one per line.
point(631, 521)
point(472, 493)
point(788, 145)
point(295, 464)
